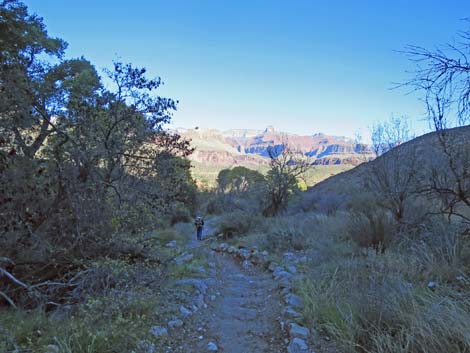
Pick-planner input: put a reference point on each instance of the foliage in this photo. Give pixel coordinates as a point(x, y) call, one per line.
point(238, 223)
point(239, 180)
point(79, 162)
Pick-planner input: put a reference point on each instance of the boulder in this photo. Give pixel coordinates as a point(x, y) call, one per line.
point(298, 331)
point(185, 312)
point(159, 331)
point(199, 284)
point(297, 345)
point(282, 274)
point(183, 258)
point(212, 347)
point(175, 323)
point(244, 253)
point(294, 301)
point(52, 348)
point(289, 257)
point(291, 313)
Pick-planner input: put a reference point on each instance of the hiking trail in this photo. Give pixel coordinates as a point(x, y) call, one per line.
point(242, 314)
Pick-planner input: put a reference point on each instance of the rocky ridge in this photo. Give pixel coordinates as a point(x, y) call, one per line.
point(250, 147)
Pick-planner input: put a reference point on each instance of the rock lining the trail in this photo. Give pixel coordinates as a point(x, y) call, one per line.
point(296, 335)
point(284, 275)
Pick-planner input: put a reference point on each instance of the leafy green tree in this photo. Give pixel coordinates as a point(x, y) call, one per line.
point(78, 161)
point(239, 180)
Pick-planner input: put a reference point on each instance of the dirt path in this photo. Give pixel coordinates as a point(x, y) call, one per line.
point(242, 314)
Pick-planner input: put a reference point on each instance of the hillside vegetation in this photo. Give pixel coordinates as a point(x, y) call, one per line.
point(97, 204)
point(388, 249)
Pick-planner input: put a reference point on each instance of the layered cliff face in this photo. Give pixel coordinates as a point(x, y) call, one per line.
point(250, 147)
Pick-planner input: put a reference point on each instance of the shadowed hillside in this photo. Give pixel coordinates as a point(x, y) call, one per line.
point(421, 151)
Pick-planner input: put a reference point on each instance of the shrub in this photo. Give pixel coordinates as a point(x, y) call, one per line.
point(179, 213)
point(287, 234)
point(238, 223)
point(372, 229)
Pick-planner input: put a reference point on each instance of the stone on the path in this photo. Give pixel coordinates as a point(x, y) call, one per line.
point(284, 282)
point(291, 313)
point(199, 284)
point(185, 311)
point(183, 258)
point(277, 270)
point(222, 247)
point(244, 253)
point(52, 348)
point(175, 323)
point(146, 347)
point(298, 331)
point(289, 257)
point(292, 269)
point(282, 274)
point(171, 244)
point(264, 253)
point(294, 300)
point(212, 347)
point(285, 291)
point(159, 331)
point(297, 345)
point(231, 249)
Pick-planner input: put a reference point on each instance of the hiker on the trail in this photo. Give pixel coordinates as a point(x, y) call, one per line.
point(199, 223)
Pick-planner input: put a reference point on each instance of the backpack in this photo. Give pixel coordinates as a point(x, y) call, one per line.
point(199, 222)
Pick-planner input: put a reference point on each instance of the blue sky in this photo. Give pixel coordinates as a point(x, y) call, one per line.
point(302, 66)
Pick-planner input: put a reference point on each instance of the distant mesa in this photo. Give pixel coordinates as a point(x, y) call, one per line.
point(269, 129)
point(249, 147)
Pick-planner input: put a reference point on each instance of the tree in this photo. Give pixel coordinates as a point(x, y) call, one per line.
point(286, 167)
point(79, 162)
point(390, 134)
point(443, 76)
point(239, 180)
point(393, 181)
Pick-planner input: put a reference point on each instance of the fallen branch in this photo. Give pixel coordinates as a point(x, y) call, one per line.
point(10, 276)
point(8, 299)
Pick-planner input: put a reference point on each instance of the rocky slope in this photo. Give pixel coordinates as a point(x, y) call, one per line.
point(250, 147)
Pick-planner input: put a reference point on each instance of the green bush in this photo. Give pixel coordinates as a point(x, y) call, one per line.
point(238, 223)
point(179, 213)
point(372, 229)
